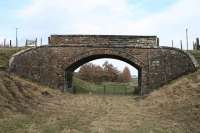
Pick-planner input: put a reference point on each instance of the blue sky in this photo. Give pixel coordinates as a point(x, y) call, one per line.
point(167, 19)
point(152, 5)
point(9, 12)
point(40, 18)
point(9, 19)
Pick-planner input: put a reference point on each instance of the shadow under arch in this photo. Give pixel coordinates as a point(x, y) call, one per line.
point(79, 61)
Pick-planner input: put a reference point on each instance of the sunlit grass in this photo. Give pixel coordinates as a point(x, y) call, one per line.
point(5, 54)
point(82, 86)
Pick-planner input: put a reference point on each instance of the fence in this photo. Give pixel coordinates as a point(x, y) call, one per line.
point(110, 89)
point(5, 43)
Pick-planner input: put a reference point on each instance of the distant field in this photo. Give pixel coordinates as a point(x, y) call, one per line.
point(5, 54)
point(105, 88)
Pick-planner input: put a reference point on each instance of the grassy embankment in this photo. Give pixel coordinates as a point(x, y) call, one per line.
point(196, 54)
point(27, 107)
point(5, 54)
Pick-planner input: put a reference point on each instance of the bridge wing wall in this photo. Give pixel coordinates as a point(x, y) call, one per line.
point(48, 64)
point(108, 40)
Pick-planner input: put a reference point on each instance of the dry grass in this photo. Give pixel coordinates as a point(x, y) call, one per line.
point(178, 101)
point(5, 54)
point(29, 107)
point(196, 54)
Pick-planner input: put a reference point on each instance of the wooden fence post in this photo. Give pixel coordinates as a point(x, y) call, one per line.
point(197, 43)
point(41, 41)
point(187, 38)
point(4, 43)
point(36, 42)
point(10, 43)
point(194, 45)
point(104, 89)
point(181, 44)
point(26, 43)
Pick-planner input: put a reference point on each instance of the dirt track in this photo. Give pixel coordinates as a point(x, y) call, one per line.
point(174, 108)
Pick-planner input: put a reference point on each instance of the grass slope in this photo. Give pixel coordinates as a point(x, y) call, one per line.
point(196, 54)
point(33, 108)
point(19, 95)
point(179, 101)
point(5, 54)
point(27, 107)
point(82, 86)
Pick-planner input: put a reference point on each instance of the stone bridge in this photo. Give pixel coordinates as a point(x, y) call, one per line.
point(54, 64)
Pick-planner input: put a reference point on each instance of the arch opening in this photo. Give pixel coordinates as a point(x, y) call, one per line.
point(69, 71)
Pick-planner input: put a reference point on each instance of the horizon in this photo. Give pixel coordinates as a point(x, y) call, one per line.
point(166, 19)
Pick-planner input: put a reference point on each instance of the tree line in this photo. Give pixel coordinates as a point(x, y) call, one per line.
point(105, 73)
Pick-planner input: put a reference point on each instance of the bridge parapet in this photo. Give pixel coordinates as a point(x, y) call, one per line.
point(53, 65)
point(108, 40)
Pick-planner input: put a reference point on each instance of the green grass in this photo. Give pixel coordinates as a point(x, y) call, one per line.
point(196, 54)
point(5, 54)
point(106, 87)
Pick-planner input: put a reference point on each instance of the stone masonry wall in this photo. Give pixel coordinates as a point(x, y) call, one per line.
point(92, 40)
point(48, 64)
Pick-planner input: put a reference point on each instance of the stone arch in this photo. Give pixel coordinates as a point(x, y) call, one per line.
point(82, 58)
point(49, 64)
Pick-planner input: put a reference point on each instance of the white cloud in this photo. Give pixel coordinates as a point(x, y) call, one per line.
point(171, 23)
point(110, 17)
point(44, 17)
point(77, 6)
point(78, 16)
